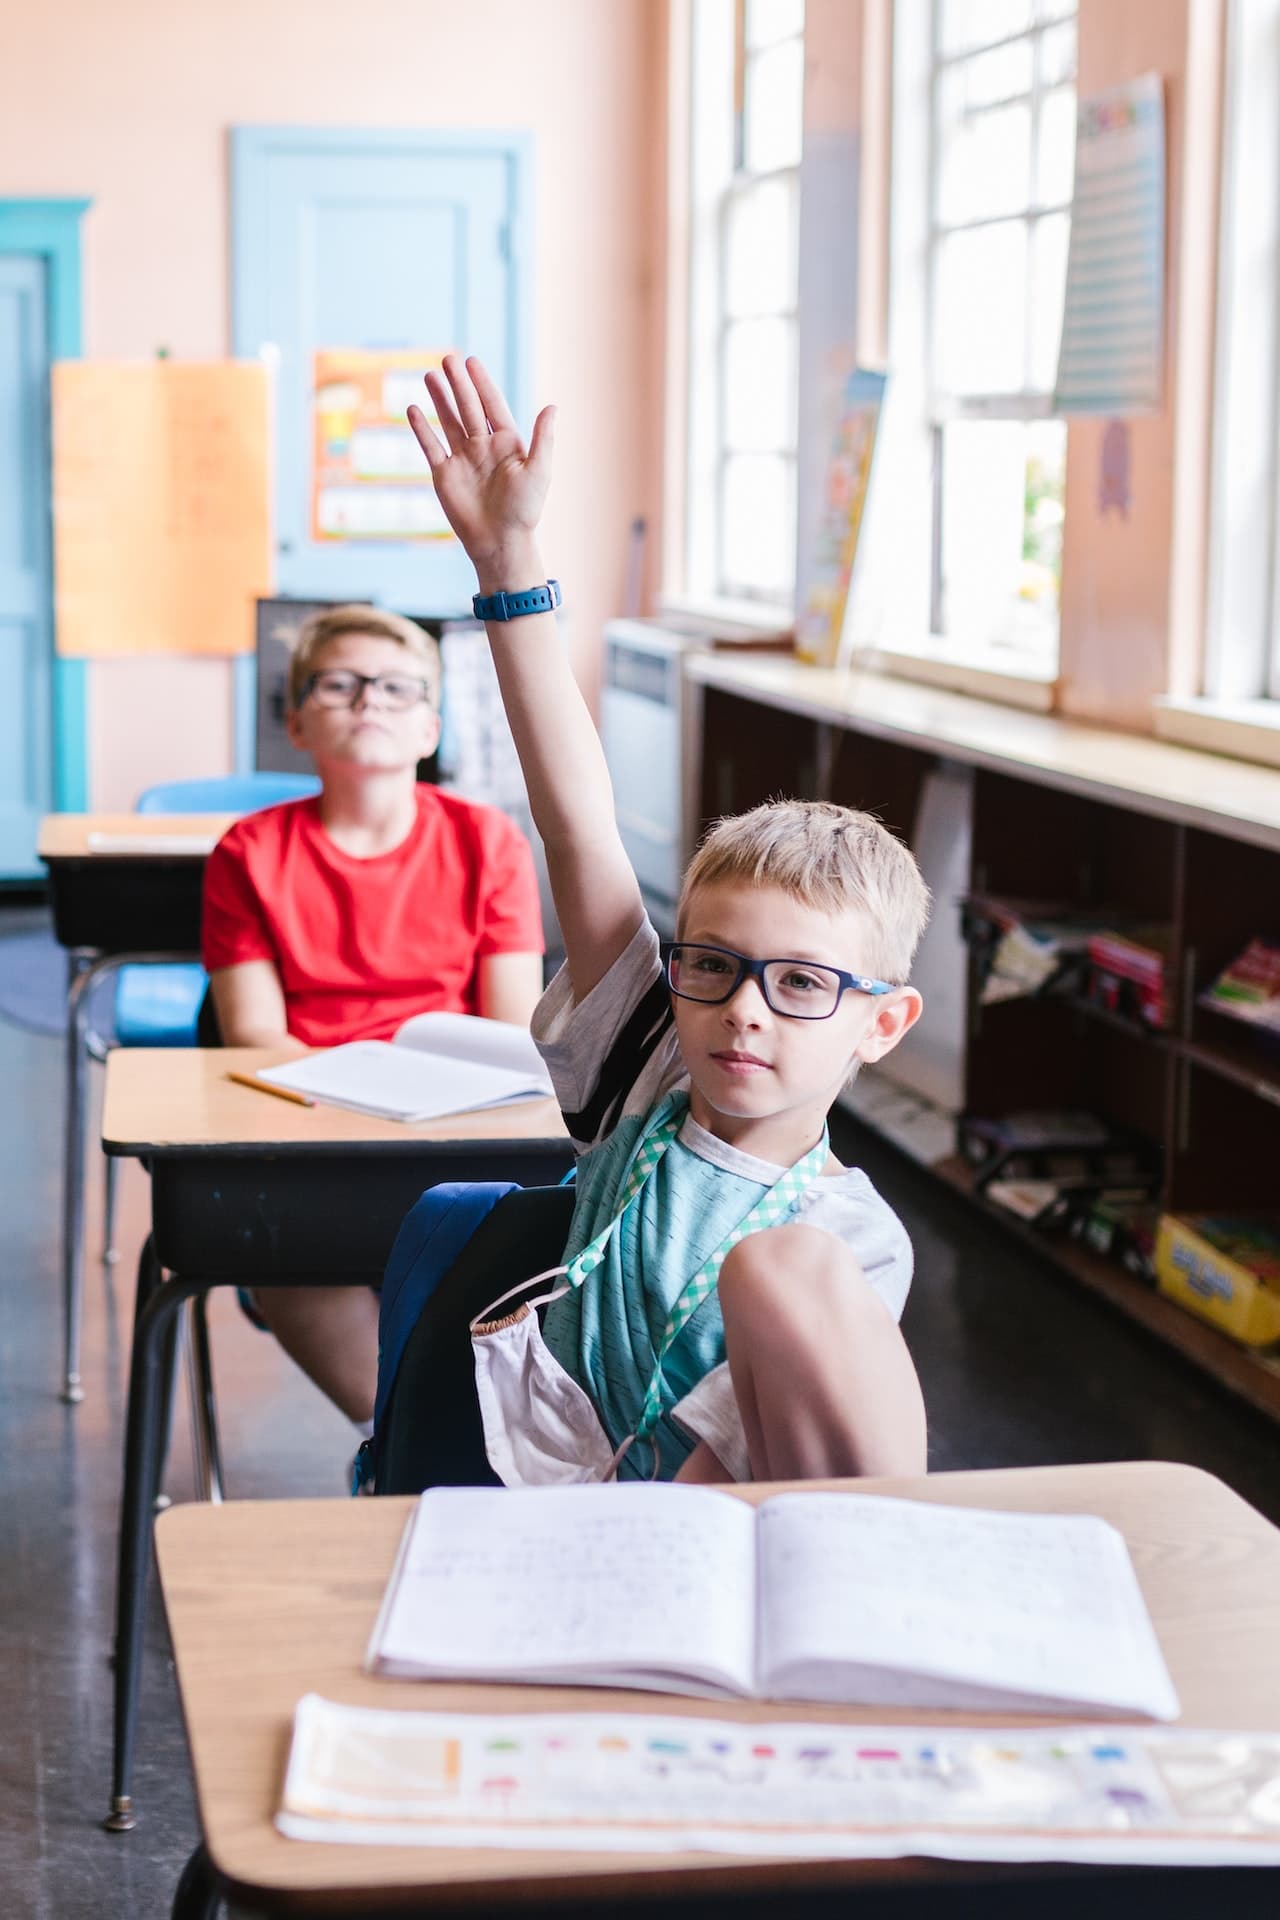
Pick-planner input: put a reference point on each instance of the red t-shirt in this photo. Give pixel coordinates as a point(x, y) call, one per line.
point(360, 945)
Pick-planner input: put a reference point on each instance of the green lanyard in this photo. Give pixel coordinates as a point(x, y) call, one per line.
point(771, 1208)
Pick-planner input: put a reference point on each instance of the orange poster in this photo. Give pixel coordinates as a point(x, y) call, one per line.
point(370, 479)
point(161, 516)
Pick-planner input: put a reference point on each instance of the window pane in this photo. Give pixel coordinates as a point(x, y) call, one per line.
point(1056, 148)
point(976, 23)
point(760, 386)
point(1058, 55)
point(774, 108)
point(1048, 289)
point(770, 20)
point(758, 532)
point(989, 79)
point(1002, 533)
point(984, 159)
point(761, 264)
point(979, 310)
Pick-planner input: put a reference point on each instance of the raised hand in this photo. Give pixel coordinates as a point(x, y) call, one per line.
point(490, 485)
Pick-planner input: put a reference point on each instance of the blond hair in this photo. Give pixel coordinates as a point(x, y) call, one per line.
point(320, 630)
point(828, 857)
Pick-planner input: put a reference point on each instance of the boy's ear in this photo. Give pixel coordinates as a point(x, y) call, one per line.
point(896, 1013)
point(293, 727)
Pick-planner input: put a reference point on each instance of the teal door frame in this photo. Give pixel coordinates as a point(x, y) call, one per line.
point(51, 230)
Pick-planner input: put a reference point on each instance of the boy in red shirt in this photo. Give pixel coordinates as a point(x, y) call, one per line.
point(337, 918)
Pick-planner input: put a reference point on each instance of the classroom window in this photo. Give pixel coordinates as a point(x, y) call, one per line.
point(747, 115)
point(1001, 113)
point(1242, 628)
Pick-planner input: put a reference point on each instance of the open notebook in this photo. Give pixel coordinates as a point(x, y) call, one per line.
point(438, 1063)
point(811, 1596)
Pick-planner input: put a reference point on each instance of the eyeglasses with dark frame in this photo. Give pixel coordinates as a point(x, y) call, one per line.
point(794, 989)
point(340, 687)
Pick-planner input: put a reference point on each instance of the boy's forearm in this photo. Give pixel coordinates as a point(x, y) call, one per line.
point(570, 793)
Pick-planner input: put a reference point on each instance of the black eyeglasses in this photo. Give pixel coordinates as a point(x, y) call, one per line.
point(338, 687)
point(796, 989)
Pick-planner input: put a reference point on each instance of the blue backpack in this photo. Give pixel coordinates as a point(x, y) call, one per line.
point(432, 1238)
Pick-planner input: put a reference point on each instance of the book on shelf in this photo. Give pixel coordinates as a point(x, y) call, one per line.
point(823, 1596)
point(438, 1063)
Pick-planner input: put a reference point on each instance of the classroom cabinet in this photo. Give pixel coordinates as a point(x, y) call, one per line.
point(1203, 1091)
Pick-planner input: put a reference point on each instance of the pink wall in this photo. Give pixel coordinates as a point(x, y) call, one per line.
point(131, 104)
point(1116, 572)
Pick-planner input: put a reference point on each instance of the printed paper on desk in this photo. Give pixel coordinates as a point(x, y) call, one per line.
point(610, 1782)
point(438, 1063)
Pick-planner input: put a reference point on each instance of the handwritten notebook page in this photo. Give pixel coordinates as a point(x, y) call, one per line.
point(636, 1586)
point(948, 1606)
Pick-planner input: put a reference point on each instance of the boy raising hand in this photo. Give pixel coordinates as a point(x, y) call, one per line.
point(731, 1292)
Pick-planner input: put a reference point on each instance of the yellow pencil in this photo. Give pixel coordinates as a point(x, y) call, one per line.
point(265, 1086)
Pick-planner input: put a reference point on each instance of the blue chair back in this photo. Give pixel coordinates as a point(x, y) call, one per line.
point(227, 793)
point(159, 1006)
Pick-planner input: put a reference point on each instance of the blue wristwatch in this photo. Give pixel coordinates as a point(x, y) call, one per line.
point(512, 606)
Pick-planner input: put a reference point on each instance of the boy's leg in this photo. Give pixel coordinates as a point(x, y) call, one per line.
point(822, 1376)
point(332, 1333)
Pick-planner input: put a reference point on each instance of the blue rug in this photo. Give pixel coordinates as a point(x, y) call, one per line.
point(33, 985)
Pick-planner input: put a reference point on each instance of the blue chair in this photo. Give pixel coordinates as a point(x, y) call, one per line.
point(159, 1006)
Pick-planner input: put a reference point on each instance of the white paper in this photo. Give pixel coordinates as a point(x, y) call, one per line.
point(468, 1036)
point(924, 1605)
point(101, 842)
point(630, 1585)
point(663, 1784)
point(397, 1080)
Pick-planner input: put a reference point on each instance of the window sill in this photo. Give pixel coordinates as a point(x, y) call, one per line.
point(714, 614)
point(1245, 729)
point(1015, 683)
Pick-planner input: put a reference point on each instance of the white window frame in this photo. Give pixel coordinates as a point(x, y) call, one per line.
point(1019, 404)
point(894, 612)
point(1242, 627)
point(715, 181)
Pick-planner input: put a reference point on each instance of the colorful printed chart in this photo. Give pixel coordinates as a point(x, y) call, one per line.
point(1111, 357)
point(370, 480)
point(674, 1784)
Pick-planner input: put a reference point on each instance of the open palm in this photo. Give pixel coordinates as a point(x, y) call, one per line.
point(490, 485)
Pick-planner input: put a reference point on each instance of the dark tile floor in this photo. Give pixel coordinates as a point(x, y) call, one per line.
point(1019, 1368)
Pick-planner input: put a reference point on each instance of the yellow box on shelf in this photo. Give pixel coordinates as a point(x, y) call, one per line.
point(1226, 1269)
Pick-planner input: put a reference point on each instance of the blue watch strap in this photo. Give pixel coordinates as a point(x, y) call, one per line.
point(511, 606)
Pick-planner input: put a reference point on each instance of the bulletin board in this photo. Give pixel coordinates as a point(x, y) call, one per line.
point(161, 508)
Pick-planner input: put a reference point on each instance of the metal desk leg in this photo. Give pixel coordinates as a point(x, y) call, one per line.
point(86, 968)
point(110, 1189)
point(197, 1897)
point(204, 1413)
point(77, 1064)
point(154, 1328)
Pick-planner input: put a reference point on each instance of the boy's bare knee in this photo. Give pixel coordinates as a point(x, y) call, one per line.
point(793, 1273)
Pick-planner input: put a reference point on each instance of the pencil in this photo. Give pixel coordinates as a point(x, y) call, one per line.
point(265, 1086)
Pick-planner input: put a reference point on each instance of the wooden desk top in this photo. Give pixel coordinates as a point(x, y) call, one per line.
point(269, 1599)
point(1206, 790)
point(179, 1099)
point(70, 836)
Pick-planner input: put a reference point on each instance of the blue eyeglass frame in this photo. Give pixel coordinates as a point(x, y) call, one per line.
point(364, 680)
point(754, 970)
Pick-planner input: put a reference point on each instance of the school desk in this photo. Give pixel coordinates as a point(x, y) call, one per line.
point(124, 888)
point(247, 1189)
point(268, 1600)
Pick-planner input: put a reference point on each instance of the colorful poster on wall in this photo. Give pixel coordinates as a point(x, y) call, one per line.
point(1111, 357)
point(821, 624)
point(369, 478)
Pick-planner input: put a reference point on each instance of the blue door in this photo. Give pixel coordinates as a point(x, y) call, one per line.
point(374, 240)
point(25, 628)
